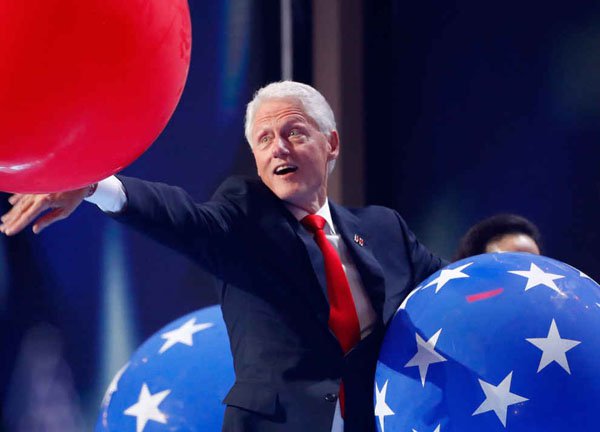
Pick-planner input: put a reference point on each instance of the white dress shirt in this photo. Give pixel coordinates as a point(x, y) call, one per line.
point(110, 197)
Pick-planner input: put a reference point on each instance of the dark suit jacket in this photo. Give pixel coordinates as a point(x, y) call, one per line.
point(288, 364)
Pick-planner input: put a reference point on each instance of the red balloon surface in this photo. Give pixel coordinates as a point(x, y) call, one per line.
point(86, 86)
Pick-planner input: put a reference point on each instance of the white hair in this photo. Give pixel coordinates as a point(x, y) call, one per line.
point(313, 102)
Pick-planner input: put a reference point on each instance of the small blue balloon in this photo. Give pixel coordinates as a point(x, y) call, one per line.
point(175, 381)
point(495, 342)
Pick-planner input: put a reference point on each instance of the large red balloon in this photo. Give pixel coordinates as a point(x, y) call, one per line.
point(86, 86)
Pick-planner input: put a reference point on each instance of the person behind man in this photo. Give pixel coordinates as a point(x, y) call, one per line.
point(306, 285)
point(500, 233)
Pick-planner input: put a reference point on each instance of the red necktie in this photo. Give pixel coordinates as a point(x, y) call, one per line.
point(343, 320)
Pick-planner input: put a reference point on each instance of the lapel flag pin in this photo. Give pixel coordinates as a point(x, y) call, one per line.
point(359, 240)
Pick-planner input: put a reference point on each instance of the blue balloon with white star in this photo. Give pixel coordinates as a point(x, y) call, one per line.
point(495, 342)
point(175, 381)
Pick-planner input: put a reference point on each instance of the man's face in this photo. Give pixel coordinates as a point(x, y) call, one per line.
point(291, 153)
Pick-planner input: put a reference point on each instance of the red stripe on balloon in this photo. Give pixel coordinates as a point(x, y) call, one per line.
point(484, 295)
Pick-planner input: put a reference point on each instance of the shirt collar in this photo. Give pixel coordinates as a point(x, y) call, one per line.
point(324, 212)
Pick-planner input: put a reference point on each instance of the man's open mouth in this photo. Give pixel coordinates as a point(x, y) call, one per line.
point(285, 169)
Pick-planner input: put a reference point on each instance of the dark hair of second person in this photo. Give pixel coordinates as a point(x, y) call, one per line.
point(500, 233)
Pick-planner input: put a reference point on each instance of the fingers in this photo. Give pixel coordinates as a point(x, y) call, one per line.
point(20, 205)
point(48, 219)
point(28, 207)
point(13, 199)
point(8, 215)
point(24, 212)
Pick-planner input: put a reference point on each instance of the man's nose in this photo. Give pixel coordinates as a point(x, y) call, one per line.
point(280, 148)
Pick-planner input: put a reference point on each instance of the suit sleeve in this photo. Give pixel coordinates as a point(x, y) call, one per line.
point(423, 262)
point(169, 215)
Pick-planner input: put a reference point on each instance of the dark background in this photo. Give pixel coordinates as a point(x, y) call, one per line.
point(470, 109)
point(474, 108)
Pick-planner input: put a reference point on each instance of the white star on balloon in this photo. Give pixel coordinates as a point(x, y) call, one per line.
point(381, 407)
point(498, 398)
point(554, 349)
point(182, 334)
point(425, 355)
point(437, 429)
point(447, 275)
point(536, 276)
point(146, 408)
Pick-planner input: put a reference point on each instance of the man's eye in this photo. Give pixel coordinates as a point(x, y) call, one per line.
point(264, 140)
point(295, 133)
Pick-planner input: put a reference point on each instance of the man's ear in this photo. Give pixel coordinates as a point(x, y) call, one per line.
point(334, 145)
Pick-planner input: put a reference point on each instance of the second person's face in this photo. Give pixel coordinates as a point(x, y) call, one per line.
point(513, 243)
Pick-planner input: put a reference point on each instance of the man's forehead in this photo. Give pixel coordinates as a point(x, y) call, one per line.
point(277, 109)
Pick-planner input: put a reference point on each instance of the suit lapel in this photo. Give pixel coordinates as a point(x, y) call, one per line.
point(295, 250)
point(360, 249)
point(315, 256)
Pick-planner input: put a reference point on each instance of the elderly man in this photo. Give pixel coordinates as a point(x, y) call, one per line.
point(307, 286)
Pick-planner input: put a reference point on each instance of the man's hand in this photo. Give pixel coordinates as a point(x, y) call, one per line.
point(28, 208)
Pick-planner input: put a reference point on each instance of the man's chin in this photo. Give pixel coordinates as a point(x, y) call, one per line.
point(289, 195)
